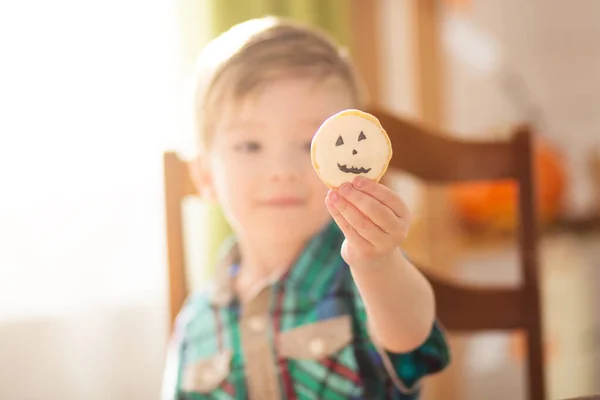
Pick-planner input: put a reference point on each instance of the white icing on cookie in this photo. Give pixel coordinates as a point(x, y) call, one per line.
point(348, 144)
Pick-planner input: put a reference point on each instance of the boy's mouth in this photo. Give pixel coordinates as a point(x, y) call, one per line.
point(353, 170)
point(283, 202)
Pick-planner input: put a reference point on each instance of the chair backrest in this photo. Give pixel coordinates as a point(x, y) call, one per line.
point(433, 158)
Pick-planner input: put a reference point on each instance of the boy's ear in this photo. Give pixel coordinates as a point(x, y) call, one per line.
point(201, 177)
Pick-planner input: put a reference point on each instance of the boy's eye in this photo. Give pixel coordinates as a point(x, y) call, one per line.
point(249, 146)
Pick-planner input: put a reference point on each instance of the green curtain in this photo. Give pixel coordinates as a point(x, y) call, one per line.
point(330, 15)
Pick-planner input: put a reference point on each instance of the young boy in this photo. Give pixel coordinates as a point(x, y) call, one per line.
point(314, 298)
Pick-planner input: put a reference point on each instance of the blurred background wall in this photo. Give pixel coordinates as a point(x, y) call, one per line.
point(88, 93)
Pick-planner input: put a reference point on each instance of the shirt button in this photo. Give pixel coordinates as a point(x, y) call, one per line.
point(317, 347)
point(256, 323)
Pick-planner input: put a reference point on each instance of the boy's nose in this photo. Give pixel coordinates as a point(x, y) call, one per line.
point(284, 174)
point(354, 152)
point(285, 168)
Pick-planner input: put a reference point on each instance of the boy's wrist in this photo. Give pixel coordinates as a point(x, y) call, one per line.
point(392, 259)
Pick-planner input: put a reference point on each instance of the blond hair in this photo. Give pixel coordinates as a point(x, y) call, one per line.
point(257, 51)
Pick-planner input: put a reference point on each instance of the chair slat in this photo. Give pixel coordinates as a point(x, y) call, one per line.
point(438, 159)
point(465, 308)
point(176, 182)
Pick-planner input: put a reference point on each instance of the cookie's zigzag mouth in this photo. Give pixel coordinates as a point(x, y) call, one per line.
point(353, 170)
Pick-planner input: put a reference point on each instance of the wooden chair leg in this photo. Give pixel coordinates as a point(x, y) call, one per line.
point(535, 366)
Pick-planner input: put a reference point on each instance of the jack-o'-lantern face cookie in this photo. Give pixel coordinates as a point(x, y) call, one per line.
point(348, 144)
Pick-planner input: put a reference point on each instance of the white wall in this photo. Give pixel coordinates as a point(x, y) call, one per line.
point(89, 101)
point(554, 47)
point(102, 353)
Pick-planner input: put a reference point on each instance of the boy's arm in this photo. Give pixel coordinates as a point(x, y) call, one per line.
point(406, 369)
point(398, 299)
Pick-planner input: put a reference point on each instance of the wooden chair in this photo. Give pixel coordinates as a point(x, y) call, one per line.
point(435, 159)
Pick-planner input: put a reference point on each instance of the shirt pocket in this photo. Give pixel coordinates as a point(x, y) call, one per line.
point(207, 375)
point(321, 360)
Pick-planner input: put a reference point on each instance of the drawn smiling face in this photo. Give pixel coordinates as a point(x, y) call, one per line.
point(351, 166)
point(348, 144)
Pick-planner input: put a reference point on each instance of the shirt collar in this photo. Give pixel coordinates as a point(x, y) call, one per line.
point(322, 249)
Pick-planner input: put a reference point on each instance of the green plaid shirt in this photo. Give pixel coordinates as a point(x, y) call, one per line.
point(303, 337)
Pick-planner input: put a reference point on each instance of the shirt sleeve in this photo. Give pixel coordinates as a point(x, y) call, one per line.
point(405, 369)
point(172, 367)
point(173, 370)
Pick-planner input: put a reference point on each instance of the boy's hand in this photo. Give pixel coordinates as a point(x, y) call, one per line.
point(373, 218)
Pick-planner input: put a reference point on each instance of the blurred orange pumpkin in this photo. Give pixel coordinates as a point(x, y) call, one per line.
point(493, 205)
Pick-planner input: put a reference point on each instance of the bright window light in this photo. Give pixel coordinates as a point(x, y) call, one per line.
point(88, 102)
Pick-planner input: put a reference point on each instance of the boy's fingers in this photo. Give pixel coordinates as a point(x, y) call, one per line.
point(379, 213)
point(349, 232)
point(382, 193)
point(360, 223)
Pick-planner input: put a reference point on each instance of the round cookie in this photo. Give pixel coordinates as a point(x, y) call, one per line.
point(348, 144)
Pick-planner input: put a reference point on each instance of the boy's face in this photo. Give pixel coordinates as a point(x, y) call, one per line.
point(260, 167)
